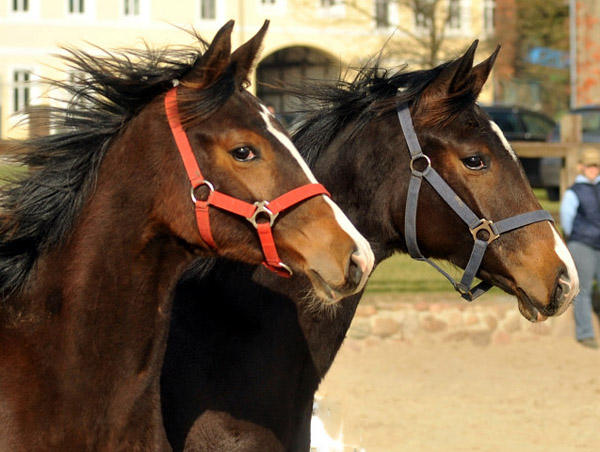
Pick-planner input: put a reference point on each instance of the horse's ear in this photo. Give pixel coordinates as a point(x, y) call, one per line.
point(482, 71)
point(455, 78)
point(215, 60)
point(246, 56)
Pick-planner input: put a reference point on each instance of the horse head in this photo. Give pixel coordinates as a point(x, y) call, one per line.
point(249, 181)
point(471, 154)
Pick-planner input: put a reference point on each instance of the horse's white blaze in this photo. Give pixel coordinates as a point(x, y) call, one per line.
point(505, 142)
point(563, 253)
point(285, 140)
point(364, 256)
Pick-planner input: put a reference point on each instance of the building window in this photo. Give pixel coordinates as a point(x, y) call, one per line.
point(454, 15)
point(489, 15)
point(382, 13)
point(76, 6)
point(131, 7)
point(80, 9)
point(422, 20)
point(20, 6)
point(277, 7)
point(21, 89)
point(332, 8)
point(208, 9)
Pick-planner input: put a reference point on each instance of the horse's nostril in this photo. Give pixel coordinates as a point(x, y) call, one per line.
point(355, 268)
point(564, 285)
point(563, 288)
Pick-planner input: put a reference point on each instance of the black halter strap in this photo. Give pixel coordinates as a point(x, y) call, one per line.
point(484, 231)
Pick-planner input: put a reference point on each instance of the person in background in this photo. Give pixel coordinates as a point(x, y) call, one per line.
point(580, 220)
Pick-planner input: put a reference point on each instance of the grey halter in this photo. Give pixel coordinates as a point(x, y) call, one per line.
point(484, 231)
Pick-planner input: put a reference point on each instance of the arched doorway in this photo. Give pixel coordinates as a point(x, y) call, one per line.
point(291, 65)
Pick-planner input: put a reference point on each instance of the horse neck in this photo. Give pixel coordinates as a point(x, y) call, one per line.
point(99, 305)
point(370, 187)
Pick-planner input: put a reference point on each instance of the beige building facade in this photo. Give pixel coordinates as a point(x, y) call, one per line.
point(307, 38)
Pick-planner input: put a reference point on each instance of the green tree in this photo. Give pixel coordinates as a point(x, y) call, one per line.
point(543, 23)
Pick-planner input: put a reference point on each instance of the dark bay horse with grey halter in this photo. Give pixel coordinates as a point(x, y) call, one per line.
point(241, 371)
point(94, 238)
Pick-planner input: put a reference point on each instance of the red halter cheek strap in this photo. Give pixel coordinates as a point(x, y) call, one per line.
point(261, 214)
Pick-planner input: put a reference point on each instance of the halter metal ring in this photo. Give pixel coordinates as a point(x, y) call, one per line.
point(419, 157)
point(210, 186)
point(487, 226)
point(286, 268)
point(262, 209)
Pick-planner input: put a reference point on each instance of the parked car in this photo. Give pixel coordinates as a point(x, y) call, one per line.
point(522, 124)
point(550, 167)
point(590, 124)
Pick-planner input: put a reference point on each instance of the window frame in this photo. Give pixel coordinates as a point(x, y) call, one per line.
point(461, 24)
point(32, 10)
point(89, 9)
point(489, 16)
point(143, 7)
point(331, 9)
point(216, 7)
point(21, 89)
point(386, 22)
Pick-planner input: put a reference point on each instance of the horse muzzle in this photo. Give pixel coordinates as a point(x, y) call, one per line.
point(566, 288)
point(357, 272)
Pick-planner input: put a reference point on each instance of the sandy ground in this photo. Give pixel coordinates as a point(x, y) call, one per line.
point(541, 395)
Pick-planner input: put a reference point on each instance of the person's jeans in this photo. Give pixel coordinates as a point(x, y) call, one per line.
point(587, 261)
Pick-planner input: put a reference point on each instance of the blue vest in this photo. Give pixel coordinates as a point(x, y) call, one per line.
point(586, 226)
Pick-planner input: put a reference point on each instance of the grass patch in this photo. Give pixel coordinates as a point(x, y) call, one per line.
point(10, 172)
point(400, 273)
point(551, 206)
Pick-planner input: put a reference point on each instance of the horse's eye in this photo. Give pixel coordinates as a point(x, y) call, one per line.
point(474, 163)
point(243, 154)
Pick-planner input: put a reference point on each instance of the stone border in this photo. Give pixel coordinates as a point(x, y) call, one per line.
point(492, 319)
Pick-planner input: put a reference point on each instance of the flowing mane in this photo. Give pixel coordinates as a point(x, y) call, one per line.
point(373, 92)
point(38, 209)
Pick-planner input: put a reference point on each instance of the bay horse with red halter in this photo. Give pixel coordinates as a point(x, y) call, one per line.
point(418, 167)
point(95, 236)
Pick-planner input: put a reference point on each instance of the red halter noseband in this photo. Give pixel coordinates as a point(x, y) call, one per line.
point(261, 214)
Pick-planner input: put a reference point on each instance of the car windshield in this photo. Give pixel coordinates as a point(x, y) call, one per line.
point(590, 121)
point(506, 120)
point(537, 125)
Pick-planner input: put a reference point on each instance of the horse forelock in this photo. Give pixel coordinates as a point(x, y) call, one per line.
point(38, 209)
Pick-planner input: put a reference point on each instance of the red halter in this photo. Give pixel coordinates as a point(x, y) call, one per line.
point(261, 214)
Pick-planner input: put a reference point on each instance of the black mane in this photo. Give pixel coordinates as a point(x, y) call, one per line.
point(373, 92)
point(38, 209)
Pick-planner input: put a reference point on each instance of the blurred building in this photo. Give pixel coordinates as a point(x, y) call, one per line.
point(307, 38)
point(585, 53)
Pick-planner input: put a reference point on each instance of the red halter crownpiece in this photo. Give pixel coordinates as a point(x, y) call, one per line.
point(261, 214)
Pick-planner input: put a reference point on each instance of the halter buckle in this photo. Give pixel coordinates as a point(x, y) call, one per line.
point(262, 209)
point(465, 292)
point(486, 226)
